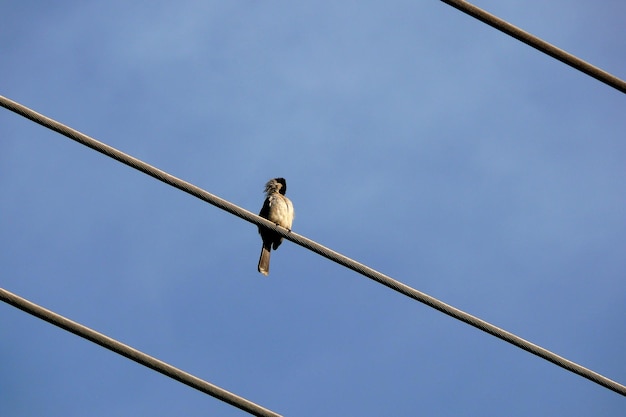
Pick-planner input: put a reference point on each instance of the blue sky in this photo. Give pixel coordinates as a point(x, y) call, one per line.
point(413, 138)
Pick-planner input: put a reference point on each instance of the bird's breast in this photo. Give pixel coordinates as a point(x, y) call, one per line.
point(281, 211)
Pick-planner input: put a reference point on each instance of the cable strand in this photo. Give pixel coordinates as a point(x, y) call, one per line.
point(134, 354)
point(538, 44)
point(317, 248)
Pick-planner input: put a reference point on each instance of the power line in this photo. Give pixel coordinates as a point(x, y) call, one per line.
point(538, 44)
point(134, 354)
point(315, 247)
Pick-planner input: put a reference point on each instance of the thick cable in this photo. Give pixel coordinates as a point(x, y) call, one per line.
point(134, 354)
point(316, 247)
point(538, 44)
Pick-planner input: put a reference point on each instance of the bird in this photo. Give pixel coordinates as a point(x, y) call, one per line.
point(278, 209)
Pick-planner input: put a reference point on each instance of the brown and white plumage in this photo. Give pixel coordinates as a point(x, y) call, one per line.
point(278, 209)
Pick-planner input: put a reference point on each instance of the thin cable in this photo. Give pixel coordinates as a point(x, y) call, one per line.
point(316, 247)
point(134, 354)
point(538, 44)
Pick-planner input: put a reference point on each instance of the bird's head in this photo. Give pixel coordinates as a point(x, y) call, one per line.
point(276, 185)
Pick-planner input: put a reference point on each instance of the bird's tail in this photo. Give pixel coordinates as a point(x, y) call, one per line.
point(264, 260)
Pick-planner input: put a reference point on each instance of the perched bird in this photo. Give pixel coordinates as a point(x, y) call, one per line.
point(278, 209)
